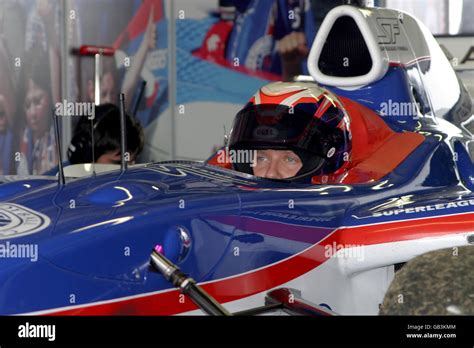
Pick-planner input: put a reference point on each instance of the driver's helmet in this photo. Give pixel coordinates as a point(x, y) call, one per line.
point(297, 116)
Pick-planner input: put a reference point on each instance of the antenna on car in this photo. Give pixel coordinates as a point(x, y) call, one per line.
point(61, 179)
point(139, 99)
point(123, 133)
point(93, 146)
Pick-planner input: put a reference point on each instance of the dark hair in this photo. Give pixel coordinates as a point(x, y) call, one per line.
point(106, 126)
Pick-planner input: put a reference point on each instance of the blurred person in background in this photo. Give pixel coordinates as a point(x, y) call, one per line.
point(41, 75)
point(8, 113)
point(266, 36)
point(38, 142)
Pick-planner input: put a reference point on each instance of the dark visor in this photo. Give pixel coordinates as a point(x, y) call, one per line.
point(281, 127)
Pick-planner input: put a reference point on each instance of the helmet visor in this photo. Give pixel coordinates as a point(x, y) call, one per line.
point(275, 126)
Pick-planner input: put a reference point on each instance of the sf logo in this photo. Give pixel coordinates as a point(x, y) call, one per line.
point(389, 29)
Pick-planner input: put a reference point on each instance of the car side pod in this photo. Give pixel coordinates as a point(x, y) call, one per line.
point(186, 285)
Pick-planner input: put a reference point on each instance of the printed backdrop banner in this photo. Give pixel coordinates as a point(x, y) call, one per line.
point(30, 84)
point(137, 30)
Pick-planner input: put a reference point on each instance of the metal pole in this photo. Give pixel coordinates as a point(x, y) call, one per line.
point(96, 102)
point(172, 74)
point(97, 79)
point(123, 133)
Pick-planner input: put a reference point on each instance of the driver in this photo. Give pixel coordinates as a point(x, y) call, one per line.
point(297, 131)
point(276, 164)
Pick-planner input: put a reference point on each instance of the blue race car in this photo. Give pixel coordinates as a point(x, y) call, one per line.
point(395, 180)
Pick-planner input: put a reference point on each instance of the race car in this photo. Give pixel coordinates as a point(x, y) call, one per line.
point(330, 245)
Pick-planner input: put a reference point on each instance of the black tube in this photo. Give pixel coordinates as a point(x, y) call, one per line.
point(203, 299)
point(187, 285)
point(123, 133)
